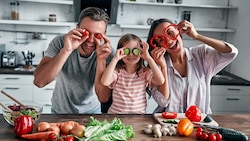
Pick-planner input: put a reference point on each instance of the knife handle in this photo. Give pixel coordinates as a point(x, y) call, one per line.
point(229, 134)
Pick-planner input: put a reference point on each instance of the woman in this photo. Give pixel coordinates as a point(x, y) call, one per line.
point(187, 71)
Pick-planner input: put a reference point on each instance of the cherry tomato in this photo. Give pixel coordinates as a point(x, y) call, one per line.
point(98, 35)
point(218, 137)
point(169, 115)
point(204, 136)
point(199, 129)
point(52, 136)
point(85, 33)
point(211, 137)
point(198, 134)
point(70, 138)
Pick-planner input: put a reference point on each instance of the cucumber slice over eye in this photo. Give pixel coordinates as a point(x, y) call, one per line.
point(136, 51)
point(126, 51)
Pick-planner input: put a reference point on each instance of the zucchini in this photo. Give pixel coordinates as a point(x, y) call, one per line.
point(232, 135)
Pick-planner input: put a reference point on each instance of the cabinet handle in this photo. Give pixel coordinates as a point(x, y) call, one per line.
point(12, 78)
point(233, 89)
point(11, 88)
point(233, 99)
point(49, 89)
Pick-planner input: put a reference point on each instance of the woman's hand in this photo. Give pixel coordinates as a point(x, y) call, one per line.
point(187, 28)
point(74, 38)
point(158, 56)
point(144, 54)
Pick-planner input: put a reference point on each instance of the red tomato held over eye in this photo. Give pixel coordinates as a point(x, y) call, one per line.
point(169, 115)
point(193, 113)
point(85, 33)
point(98, 35)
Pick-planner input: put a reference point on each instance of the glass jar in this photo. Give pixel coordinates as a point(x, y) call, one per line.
point(14, 10)
point(52, 17)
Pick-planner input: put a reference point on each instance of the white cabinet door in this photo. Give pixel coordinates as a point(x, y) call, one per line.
point(230, 99)
point(43, 96)
point(18, 86)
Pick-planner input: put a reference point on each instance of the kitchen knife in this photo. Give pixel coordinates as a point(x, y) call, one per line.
point(228, 134)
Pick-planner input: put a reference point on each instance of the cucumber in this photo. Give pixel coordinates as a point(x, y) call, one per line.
point(126, 51)
point(136, 51)
point(232, 135)
point(208, 119)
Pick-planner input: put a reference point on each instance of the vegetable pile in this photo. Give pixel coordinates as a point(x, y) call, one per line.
point(95, 130)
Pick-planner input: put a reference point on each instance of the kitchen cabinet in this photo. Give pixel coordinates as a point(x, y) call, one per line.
point(18, 86)
point(22, 88)
point(29, 18)
point(216, 15)
point(43, 96)
point(230, 99)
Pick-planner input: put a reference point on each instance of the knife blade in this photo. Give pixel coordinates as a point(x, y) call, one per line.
point(228, 134)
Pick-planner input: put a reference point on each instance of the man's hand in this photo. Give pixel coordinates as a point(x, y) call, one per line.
point(103, 48)
point(74, 38)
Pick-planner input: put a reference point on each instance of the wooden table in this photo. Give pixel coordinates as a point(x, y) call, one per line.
point(239, 122)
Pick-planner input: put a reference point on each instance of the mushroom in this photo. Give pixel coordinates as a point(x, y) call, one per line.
point(157, 130)
point(148, 129)
point(172, 130)
point(165, 130)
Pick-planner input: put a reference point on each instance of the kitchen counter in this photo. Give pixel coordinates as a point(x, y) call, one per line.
point(17, 70)
point(227, 78)
point(239, 122)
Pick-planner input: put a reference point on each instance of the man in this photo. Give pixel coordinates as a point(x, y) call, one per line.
point(76, 60)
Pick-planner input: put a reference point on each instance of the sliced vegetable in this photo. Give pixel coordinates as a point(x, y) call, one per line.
point(169, 115)
point(136, 51)
point(23, 125)
point(98, 35)
point(185, 127)
point(126, 51)
point(208, 119)
point(172, 121)
point(193, 113)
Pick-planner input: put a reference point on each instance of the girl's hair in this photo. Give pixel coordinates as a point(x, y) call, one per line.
point(155, 24)
point(123, 40)
point(95, 14)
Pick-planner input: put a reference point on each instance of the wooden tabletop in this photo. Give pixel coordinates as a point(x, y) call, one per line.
point(239, 122)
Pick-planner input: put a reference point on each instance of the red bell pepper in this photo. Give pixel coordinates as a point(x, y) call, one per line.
point(193, 113)
point(169, 115)
point(23, 125)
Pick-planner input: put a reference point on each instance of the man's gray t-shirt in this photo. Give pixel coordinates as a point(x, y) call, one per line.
point(74, 90)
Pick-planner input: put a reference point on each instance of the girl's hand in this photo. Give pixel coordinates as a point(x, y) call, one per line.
point(74, 38)
point(187, 28)
point(120, 53)
point(158, 56)
point(144, 54)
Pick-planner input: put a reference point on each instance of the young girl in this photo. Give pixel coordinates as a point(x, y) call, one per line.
point(128, 77)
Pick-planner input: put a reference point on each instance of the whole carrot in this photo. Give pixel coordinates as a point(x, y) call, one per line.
point(38, 135)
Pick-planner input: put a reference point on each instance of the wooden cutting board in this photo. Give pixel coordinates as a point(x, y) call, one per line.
point(158, 117)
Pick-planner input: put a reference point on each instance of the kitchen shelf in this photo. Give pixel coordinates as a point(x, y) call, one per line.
point(176, 5)
point(40, 23)
point(66, 2)
point(124, 26)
